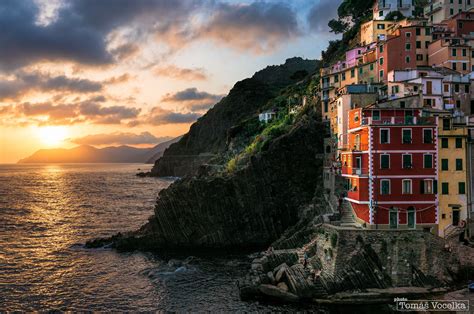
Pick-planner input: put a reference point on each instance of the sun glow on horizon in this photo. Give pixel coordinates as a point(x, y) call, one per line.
point(52, 135)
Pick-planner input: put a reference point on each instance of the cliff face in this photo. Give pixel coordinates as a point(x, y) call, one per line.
point(207, 138)
point(249, 208)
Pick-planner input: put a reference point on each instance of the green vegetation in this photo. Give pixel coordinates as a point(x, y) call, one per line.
point(394, 16)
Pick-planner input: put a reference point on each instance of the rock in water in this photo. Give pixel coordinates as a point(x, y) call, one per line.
point(278, 293)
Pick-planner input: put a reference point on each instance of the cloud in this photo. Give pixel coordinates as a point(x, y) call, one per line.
point(24, 82)
point(101, 33)
point(191, 94)
point(321, 13)
point(91, 111)
point(118, 79)
point(118, 138)
point(160, 116)
point(185, 74)
point(259, 27)
point(81, 29)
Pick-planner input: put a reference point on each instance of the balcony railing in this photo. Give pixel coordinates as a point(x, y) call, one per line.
point(432, 8)
point(400, 121)
point(355, 148)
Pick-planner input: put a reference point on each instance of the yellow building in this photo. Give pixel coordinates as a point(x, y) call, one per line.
point(453, 180)
point(372, 31)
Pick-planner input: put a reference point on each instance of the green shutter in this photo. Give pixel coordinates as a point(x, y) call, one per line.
point(458, 164)
point(462, 188)
point(444, 164)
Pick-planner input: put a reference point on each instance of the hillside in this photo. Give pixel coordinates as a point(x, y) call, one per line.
point(208, 137)
point(90, 154)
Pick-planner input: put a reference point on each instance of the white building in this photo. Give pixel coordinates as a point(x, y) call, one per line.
point(267, 116)
point(382, 8)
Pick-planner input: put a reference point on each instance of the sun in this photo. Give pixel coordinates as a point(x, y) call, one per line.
point(52, 135)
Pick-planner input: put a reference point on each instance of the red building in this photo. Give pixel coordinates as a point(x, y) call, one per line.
point(407, 48)
point(390, 167)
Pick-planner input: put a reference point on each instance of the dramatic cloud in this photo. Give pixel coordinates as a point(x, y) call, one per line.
point(86, 31)
point(81, 29)
point(86, 111)
point(193, 100)
point(160, 116)
point(321, 13)
point(26, 82)
point(259, 27)
point(191, 94)
point(198, 74)
point(118, 138)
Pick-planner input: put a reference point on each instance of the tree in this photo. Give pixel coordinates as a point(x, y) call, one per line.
point(337, 26)
point(419, 5)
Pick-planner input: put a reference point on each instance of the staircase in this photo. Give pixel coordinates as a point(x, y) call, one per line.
point(348, 216)
point(452, 231)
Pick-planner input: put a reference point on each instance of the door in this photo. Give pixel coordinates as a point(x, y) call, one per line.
point(429, 87)
point(456, 217)
point(393, 219)
point(411, 218)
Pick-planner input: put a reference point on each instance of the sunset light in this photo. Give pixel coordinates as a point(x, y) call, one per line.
point(52, 135)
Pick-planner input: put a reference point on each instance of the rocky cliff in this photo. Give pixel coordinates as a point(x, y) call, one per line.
point(249, 208)
point(207, 138)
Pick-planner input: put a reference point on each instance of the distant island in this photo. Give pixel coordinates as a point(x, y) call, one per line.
point(90, 154)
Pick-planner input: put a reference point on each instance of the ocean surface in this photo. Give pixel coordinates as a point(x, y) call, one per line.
point(47, 213)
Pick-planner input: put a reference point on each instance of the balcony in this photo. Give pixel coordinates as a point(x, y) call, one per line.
point(430, 9)
point(360, 171)
point(400, 121)
point(355, 148)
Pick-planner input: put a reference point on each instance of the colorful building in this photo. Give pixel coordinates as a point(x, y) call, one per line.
point(451, 52)
point(390, 167)
point(382, 8)
point(438, 11)
point(452, 173)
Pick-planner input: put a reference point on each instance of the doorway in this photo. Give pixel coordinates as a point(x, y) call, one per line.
point(393, 219)
point(456, 217)
point(411, 219)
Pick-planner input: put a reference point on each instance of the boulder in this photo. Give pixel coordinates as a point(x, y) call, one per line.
point(282, 286)
point(280, 272)
point(277, 293)
point(271, 278)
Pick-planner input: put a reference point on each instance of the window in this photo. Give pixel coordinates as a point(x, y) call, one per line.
point(418, 44)
point(444, 143)
point(466, 89)
point(454, 67)
point(352, 73)
point(464, 66)
point(428, 31)
point(371, 67)
point(407, 59)
point(381, 49)
point(381, 26)
point(427, 136)
point(446, 124)
point(418, 32)
point(454, 52)
point(419, 57)
point(444, 164)
point(381, 61)
point(406, 187)
point(361, 70)
point(406, 136)
point(446, 88)
point(428, 161)
point(385, 161)
point(407, 162)
point(445, 188)
point(426, 187)
point(376, 115)
point(456, 88)
point(462, 188)
point(336, 78)
point(407, 46)
point(458, 142)
point(343, 76)
point(458, 104)
point(381, 73)
point(384, 136)
point(408, 34)
point(384, 187)
point(464, 52)
point(458, 164)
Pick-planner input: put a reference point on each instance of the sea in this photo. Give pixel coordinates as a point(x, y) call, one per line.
point(48, 212)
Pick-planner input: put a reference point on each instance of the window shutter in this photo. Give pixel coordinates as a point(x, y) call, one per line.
point(435, 186)
point(422, 187)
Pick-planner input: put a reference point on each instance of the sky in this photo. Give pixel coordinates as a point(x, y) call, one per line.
point(136, 72)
